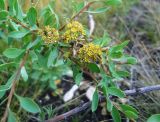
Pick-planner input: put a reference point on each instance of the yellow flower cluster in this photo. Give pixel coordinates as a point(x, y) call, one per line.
point(49, 35)
point(74, 31)
point(90, 53)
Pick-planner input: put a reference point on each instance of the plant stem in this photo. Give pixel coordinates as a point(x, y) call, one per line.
point(18, 22)
point(5, 115)
point(81, 11)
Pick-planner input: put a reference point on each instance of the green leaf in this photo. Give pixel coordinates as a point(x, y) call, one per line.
point(13, 52)
point(104, 41)
point(28, 104)
point(2, 5)
point(128, 108)
point(50, 17)
point(104, 81)
point(113, 2)
point(24, 73)
point(6, 65)
point(48, 20)
point(123, 73)
point(11, 116)
point(99, 10)
point(93, 67)
point(3, 15)
point(131, 60)
point(116, 54)
point(79, 6)
point(34, 43)
point(52, 84)
point(33, 56)
point(116, 92)
point(95, 101)
point(76, 70)
point(116, 115)
point(8, 85)
point(113, 69)
point(55, 17)
point(109, 105)
point(127, 60)
point(32, 16)
point(78, 78)
point(2, 93)
point(52, 57)
point(18, 34)
point(154, 118)
point(131, 115)
point(15, 9)
point(118, 47)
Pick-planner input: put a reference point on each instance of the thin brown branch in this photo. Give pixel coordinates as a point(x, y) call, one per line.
point(88, 104)
point(5, 115)
point(78, 14)
point(18, 22)
point(83, 9)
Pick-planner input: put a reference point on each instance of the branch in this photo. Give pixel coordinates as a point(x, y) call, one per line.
point(87, 104)
point(142, 90)
point(18, 22)
point(81, 11)
point(13, 86)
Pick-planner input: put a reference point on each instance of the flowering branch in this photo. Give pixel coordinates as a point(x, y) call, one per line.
point(87, 104)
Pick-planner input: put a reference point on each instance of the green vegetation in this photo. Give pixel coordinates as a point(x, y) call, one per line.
point(43, 42)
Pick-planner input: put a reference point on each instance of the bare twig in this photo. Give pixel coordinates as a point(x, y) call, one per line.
point(13, 86)
point(87, 104)
point(142, 90)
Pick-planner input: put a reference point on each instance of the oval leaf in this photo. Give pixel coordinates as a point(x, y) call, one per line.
point(123, 73)
point(2, 5)
point(78, 78)
point(95, 101)
point(113, 2)
point(109, 105)
point(52, 57)
point(32, 15)
point(131, 115)
point(11, 116)
point(24, 74)
point(18, 34)
point(131, 60)
point(116, 92)
point(28, 104)
point(2, 93)
point(154, 118)
point(118, 47)
point(116, 115)
point(93, 67)
point(128, 108)
point(8, 85)
point(3, 15)
point(13, 52)
point(6, 65)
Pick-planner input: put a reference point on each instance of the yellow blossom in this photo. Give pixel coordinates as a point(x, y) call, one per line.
point(49, 35)
point(90, 53)
point(74, 31)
